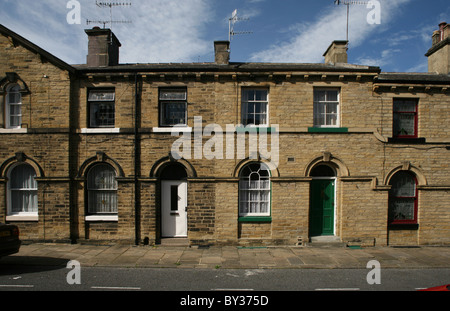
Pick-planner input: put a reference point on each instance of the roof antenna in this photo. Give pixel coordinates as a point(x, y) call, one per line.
point(231, 22)
point(110, 5)
point(348, 3)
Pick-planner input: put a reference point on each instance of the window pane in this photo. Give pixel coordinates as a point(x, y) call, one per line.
point(405, 106)
point(102, 177)
point(102, 202)
point(172, 94)
point(102, 115)
point(319, 96)
point(174, 114)
point(15, 121)
point(261, 95)
point(331, 119)
point(23, 177)
point(101, 96)
point(15, 110)
point(401, 209)
point(403, 185)
point(404, 124)
point(332, 96)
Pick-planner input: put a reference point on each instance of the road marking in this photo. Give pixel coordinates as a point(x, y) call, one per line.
point(337, 289)
point(18, 286)
point(115, 288)
point(233, 289)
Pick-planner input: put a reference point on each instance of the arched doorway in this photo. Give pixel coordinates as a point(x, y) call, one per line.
point(174, 201)
point(322, 201)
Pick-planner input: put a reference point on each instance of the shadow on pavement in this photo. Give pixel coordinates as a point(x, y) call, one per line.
point(30, 264)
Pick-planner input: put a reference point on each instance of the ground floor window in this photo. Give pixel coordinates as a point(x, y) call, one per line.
point(102, 190)
point(23, 191)
point(254, 190)
point(403, 199)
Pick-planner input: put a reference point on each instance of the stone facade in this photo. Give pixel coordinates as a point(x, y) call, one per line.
point(56, 138)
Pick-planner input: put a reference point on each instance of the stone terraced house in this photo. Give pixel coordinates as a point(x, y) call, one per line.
point(223, 153)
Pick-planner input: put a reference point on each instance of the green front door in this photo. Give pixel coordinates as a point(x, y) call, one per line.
point(321, 219)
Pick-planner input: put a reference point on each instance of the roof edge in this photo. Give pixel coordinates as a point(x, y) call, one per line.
point(36, 49)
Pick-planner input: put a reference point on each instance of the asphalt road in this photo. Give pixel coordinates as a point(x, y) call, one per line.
point(35, 278)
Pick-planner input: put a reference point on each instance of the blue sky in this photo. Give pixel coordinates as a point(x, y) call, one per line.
point(282, 30)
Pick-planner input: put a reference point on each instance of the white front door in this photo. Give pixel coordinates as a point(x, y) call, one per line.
point(174, 209)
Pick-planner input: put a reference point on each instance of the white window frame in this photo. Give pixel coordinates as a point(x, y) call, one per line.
point(163, 101)
point(245, 185)
point(8, 107)
point(24, 216)
point(325, 102)
point(244, 107)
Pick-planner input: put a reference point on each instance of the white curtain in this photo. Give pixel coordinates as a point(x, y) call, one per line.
point(23, 190)
point(102, 190)
point(254, 186)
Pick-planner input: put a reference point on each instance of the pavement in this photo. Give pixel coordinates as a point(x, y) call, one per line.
point(230, 257)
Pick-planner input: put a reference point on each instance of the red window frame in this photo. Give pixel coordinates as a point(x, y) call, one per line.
point(415, 198)
point(415, 112)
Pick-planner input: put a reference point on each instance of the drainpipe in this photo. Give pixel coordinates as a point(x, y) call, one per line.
point(137, 207)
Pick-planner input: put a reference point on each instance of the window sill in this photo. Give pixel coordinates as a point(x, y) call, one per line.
point(406, 140)
point(22, 218)
point(112, 218)
point(405, 226)
point(174, 129)
point(327, 130)
point(256, 129)
point(14, 131)
point(255, 219)
point(100, 131)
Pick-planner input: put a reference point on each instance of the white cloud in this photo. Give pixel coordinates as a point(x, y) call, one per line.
point(165, 31)
point(311, 40)
point(161, 30)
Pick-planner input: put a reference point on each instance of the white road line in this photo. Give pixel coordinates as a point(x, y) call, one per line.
point(233, 289)
point(115, 288)
point(337, 289)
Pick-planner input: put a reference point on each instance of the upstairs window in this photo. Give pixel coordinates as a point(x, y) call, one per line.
point(405, 118)
point(326, 107)
point(255, 105)
point(101, 108)
point(13, 107)
point(173, 107)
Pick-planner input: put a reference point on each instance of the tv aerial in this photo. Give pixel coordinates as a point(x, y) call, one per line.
point(232, 22)
point(110, 5)
point(348, 4)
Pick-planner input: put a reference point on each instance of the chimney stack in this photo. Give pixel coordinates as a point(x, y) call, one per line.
point(222, 52)
point(103, 49)
point(439, 54)
point(336, 53)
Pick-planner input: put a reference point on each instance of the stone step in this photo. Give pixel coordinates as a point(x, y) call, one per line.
point(326, 241)
point(174, 242)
